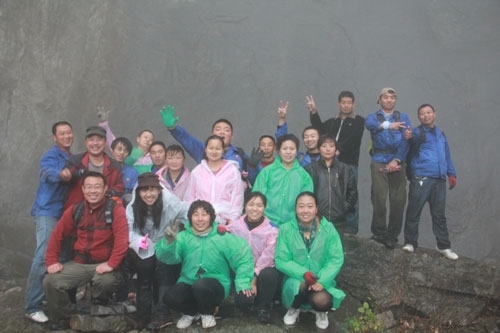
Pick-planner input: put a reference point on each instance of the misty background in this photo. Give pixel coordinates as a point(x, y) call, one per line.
point(60, 59)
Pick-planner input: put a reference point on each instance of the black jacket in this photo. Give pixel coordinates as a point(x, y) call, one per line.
point(350, 136)
point(335, 188)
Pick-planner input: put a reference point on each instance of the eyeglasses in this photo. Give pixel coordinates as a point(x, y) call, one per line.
point(96, 187)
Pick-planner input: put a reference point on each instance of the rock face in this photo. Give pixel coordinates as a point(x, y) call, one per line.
point(423, 283)
point(59, 60)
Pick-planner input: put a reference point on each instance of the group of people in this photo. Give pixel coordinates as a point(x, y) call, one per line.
point(259, 224)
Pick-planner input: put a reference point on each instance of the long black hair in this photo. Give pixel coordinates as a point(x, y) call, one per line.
point(142, 211)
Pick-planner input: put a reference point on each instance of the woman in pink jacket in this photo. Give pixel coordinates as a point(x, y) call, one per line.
point(217, 181)
point(260, 233)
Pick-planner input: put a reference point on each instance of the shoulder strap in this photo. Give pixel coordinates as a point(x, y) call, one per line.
point(108, 211)
point(78, 212)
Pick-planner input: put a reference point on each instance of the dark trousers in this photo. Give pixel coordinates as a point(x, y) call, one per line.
point(267, 283)
point(433, 191)
point(394, 185)
point(153, 279)
point(201, 297)
point(320, 301)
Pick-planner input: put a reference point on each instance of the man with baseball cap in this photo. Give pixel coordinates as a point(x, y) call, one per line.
point(388, 172)
point(94, 159)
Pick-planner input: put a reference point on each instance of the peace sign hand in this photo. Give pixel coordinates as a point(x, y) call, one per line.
point(311, 106)
point(172, 230)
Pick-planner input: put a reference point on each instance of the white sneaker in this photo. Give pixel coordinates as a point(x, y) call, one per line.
point(291, 316)
point(408, 248)
point(37, 317)
point(207, 321)
point(322, 320)
point(186, 320)
point(448, 253)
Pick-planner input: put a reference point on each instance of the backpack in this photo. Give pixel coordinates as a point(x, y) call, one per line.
point(248, 186)
point(67, 252)
point(414, 150)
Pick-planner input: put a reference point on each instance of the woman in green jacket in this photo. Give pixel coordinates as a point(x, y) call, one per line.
point(283, 180)
point(309, 253)
point(207, 254)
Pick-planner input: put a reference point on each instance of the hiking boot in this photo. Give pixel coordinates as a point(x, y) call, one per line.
point(207, 321)
point(37, 317)
point(322, 320)
point(291, 316)
point(448, 253)
point(264, 316)
point(408, 248)
point(186, 320)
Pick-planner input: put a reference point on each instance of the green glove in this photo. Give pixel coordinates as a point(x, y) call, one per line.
point(167, 113)
point(136, 154)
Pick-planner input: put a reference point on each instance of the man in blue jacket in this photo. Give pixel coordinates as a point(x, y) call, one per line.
point(389, 148)
point(46, 211)
point(430, 163)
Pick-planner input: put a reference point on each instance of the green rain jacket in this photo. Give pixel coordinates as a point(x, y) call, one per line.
point(324, 259)
point(281, 188)
point(210, 256)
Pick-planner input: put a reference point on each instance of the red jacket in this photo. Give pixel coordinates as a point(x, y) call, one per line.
point(96, 241)
point(112, 171)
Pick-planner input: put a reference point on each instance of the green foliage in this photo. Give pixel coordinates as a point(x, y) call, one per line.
point(366, 322)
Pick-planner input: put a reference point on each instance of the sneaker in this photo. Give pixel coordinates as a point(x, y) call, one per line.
point(37, 317)
point(322, 320)
point(186, 320)
point(291, 316)
point(448, 253)
point(207, 321)
point(408, 248)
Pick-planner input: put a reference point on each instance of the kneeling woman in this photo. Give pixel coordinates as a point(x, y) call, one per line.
point(207, 256)
point(150, 211)
point(309, 253)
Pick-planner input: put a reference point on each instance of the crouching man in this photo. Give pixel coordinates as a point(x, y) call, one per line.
point(100, 229)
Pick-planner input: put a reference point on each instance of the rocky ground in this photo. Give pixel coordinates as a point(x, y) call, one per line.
point(12, 319)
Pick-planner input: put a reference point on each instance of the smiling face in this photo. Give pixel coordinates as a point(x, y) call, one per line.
point(306, 210)
point(200, 220)
point(288, 151)
point(255, 209)
point(63, 137)
point(120, 152)
point(149, 195)
point(174, 161)
point(157, 153)
point(214, 150)
point(311, 137)
point(95, 144)
point(94, 190)
point(387, 102)
point(223, 130)
point(427, 116)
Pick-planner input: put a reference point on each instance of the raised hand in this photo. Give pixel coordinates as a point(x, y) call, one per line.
point(282, 112)
point(102, 114)
point(311, 106)
point(255, 156)
point(168, 116)
point(172, 230)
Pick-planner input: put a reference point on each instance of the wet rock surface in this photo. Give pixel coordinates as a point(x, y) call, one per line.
point(420, 291)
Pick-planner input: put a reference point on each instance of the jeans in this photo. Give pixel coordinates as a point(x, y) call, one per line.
point(394, 184)
point(352, 218)
point(34, 288)
point(422, 190)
